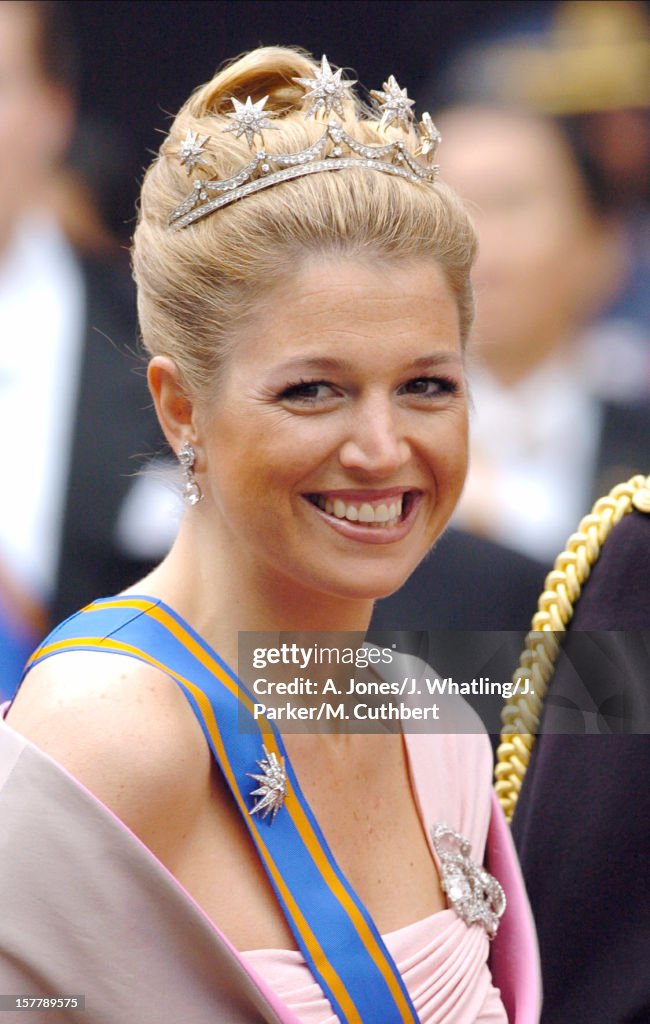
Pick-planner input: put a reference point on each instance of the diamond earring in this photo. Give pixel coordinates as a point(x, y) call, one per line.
point(191, 491)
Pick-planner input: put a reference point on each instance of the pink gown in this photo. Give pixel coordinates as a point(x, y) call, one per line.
point(85, 906)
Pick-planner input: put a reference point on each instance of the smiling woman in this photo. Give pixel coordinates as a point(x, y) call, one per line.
point(305, 306)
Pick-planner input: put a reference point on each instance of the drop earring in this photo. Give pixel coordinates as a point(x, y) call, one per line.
point(191, 491)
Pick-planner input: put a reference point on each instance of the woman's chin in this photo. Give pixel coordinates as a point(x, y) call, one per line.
point(374, 586)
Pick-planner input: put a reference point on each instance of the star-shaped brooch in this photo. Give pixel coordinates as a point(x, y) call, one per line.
point(249, 119)
point(272, 790)
point(430, 138)
point(394, 104)
point(191, 150)
point(326, 90)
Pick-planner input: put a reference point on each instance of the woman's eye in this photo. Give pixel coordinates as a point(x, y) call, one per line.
point(430, 387)
point(307, 392)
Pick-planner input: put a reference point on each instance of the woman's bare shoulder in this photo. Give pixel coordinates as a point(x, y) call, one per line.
point(121, 727)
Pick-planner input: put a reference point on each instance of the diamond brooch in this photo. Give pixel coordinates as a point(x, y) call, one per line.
point(272, 790)
point(474, 894)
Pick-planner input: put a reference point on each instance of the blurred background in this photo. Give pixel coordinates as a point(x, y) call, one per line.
point(544, 109)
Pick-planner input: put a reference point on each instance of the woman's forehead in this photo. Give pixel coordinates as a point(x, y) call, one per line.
point(331, 309)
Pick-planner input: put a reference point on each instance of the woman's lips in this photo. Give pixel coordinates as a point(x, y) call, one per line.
point(378, 517)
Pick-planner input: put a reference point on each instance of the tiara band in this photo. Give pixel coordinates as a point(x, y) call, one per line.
point(335, 150)
point(268, 169)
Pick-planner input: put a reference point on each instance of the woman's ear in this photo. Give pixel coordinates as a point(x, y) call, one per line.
point(174, 408)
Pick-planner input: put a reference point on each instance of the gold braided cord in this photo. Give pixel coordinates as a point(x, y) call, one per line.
point(521, 714)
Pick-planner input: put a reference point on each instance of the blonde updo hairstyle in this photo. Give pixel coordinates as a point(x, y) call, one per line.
point(196, 285)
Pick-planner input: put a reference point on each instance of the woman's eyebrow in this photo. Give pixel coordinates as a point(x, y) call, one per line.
point(436, 359)
point(313, 363)
point(323, 363)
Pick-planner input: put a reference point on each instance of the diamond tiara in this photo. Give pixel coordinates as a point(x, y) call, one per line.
point(335, 150)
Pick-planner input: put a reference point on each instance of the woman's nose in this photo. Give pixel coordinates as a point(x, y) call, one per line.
point(375, 445)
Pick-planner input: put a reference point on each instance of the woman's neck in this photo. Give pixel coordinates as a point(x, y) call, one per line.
point(221, 596)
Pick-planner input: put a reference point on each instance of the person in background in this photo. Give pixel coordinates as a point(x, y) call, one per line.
point(588, 68)
point(581, 818)
point(544, 442)
point(72, 410)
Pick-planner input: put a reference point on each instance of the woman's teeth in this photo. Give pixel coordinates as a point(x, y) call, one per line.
point(381, 514)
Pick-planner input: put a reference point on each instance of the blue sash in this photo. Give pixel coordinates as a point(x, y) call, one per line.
point(334, 931)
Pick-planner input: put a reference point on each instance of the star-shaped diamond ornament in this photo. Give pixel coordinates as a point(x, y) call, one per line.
point(249, 119)
point(394, 104)
point(272, 790)
point(191, 150)
point(430, 137)
point(326, 90)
